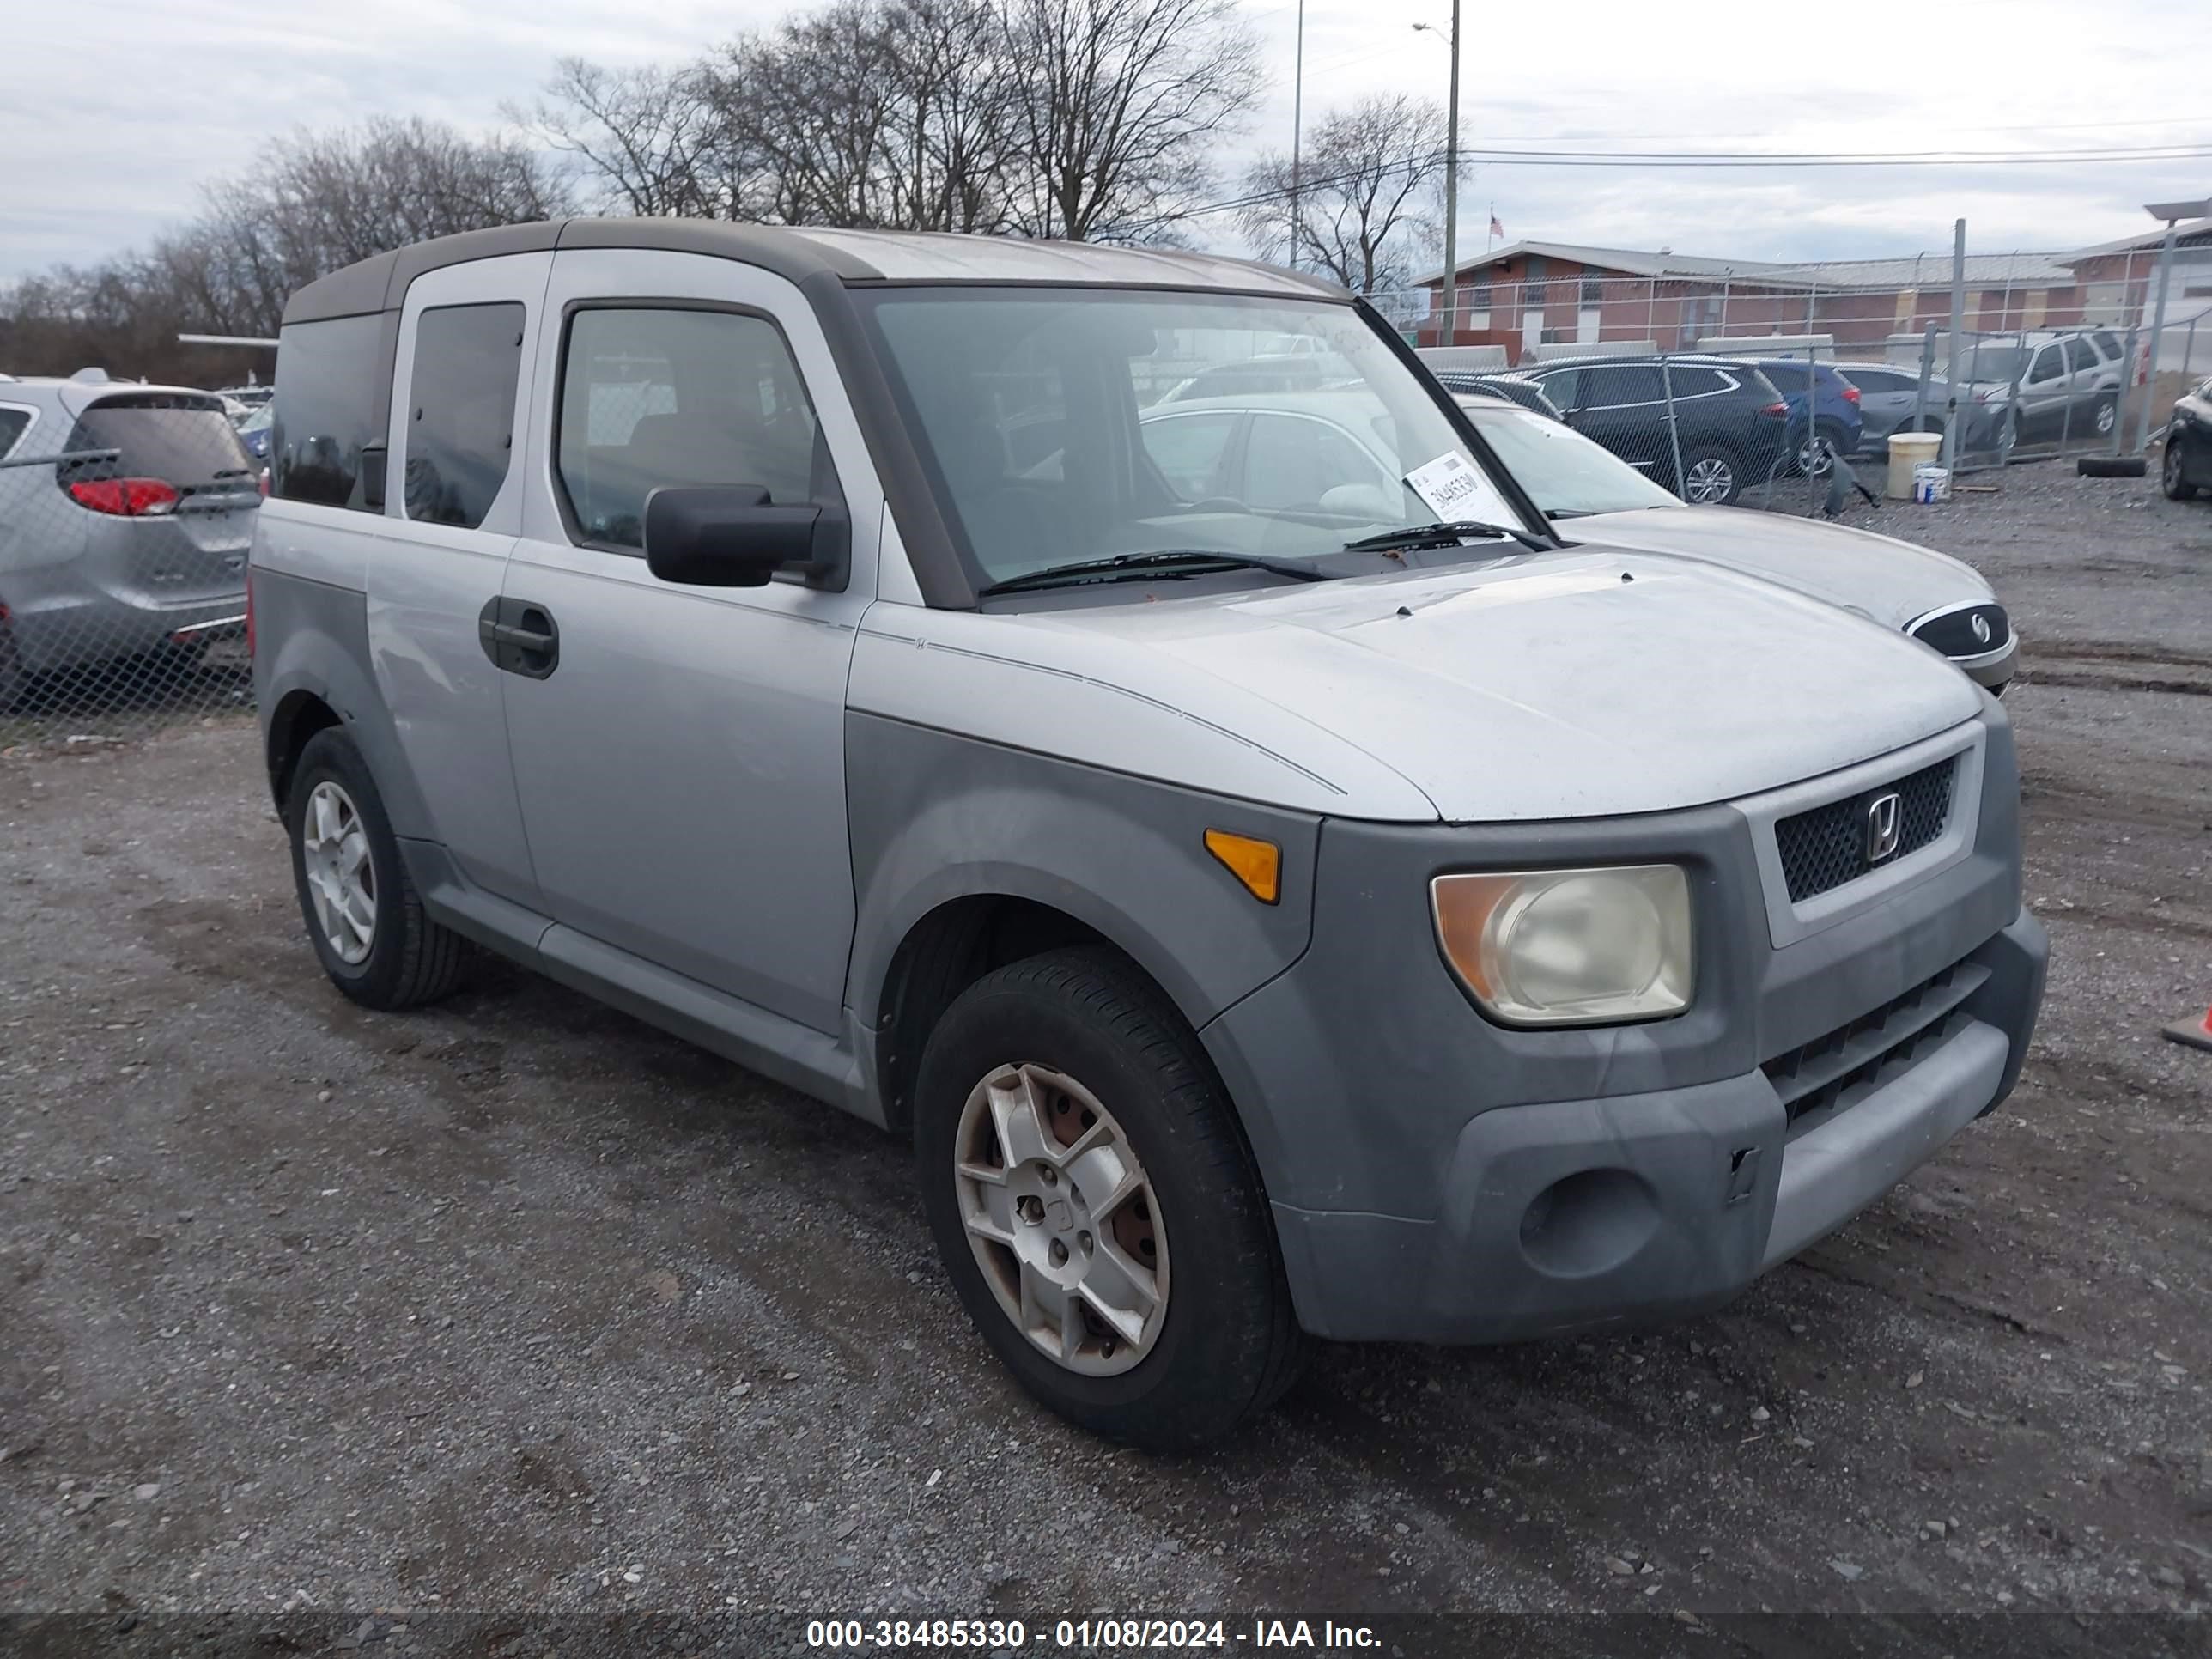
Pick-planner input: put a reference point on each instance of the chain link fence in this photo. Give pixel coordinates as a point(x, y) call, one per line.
point(1739, 384)
point(122, 556)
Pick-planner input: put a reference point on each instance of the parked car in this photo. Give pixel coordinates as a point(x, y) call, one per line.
point(125, 515)
point(2186, 466)
point(1836, 423)
point(1513, 388)
point(1730, 420)
point(1302, 371)
point(1369, 918)
point(1939, 600)
point(1889, 397)
point(2046, 388)
point(253, 431)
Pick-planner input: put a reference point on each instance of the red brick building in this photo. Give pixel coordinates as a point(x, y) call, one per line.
point(1535, 293)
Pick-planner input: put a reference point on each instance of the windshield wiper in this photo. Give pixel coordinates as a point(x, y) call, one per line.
point(1441, 534)
point(1192, 561)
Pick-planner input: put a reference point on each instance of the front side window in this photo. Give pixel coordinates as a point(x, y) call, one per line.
point(1120, 378)
point(2048, 365)
point(327, 374)
point(654, 397)
point(460, 415)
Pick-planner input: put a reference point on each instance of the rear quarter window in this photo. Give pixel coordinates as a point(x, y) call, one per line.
point(328, 376)
point(13, 422)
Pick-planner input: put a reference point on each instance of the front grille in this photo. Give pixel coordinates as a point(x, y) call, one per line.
point(1825, 848)
point(1954, 632)
point(1819, 1078)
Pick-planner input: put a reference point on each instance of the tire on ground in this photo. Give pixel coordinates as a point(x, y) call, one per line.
point(1229, 1343)
point(2110, 466)
point(411, 959)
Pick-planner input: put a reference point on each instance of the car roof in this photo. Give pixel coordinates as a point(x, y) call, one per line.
point(1339, 406)
point(1642, 360)
point(845, 256)
point(51, 386)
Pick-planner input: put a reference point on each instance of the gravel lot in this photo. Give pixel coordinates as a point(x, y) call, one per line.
point(518, 1305)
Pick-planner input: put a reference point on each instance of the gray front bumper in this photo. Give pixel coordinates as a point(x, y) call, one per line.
point(1576, 1215)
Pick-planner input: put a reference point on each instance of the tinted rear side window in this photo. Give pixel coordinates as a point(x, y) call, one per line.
point(13, 423)
point(327, 376)
point(461, 415)
point(182, 440)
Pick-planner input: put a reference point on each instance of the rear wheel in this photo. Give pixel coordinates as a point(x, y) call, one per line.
point(364, 917)
point(1818, 452)
point(1096, 1207)
point(2106, 416)
point(1710, 477)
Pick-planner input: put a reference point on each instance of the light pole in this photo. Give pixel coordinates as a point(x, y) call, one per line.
point(1451, 181)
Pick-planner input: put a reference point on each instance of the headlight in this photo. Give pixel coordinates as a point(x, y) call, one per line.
point(1570, 947)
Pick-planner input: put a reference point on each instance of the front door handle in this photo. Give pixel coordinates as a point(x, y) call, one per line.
point(520, 637)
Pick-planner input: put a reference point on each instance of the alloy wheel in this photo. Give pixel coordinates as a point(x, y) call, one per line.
point(2107, 414)
point(341, 877)
point(1062, 1219)
point(1709, 481)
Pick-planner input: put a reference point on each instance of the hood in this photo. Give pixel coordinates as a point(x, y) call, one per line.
point(1878, 576)
point(1546, 685)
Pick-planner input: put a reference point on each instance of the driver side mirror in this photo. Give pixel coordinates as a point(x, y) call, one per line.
point(733, 536)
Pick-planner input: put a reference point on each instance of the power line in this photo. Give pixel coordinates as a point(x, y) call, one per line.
point(1720, 160)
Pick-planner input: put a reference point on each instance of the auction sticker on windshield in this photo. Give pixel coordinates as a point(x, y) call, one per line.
point(1448, 486)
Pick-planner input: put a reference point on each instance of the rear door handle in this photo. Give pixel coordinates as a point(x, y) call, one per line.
point(520, 637)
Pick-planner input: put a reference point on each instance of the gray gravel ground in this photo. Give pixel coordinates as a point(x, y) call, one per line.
point(516, 1303)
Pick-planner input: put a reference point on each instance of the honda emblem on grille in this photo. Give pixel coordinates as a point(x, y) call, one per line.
point(1884, 815)
point(1980, 625)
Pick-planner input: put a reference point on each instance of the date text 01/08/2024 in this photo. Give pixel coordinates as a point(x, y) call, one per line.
point(995, 1635)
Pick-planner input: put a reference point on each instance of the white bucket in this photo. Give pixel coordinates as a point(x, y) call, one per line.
point(1930, 483)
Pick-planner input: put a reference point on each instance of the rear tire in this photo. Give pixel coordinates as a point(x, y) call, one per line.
point(1078, 1042)
point(364, 917)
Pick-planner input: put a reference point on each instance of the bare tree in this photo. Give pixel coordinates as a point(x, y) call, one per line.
point(647, 141)
point(317, 202)
point(1360, 208)
point(1119, 104)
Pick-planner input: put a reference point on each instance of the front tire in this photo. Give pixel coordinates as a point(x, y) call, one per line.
point(1097, 1207)
point(364, 917)
point(2173, 477)
point(1711, 477)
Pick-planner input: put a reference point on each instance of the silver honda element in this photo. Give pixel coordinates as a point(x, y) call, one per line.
point(1309, 910)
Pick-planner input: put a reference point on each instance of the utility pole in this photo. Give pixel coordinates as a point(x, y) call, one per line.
point(1451, 180)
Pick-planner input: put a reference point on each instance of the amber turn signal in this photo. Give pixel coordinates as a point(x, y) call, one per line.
point(1258, 864)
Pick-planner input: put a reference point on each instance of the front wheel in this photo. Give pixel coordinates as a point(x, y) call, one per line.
point(1710, 477)
point(2172, 477)
point(1097, 1207)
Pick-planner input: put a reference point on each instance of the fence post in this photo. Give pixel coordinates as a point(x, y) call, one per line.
point(1673, 432)
point(2120, 408)
point(2157, 335)
point(1927, 373)
point(1958, 339)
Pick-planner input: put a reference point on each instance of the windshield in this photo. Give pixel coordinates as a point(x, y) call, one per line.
point(1073, 424)
point(1998, 363)
point(1563, 472)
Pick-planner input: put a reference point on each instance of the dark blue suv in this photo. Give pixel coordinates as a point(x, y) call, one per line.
point(1835, 407)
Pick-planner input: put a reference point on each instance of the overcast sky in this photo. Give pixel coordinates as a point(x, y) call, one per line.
point(109, 134)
